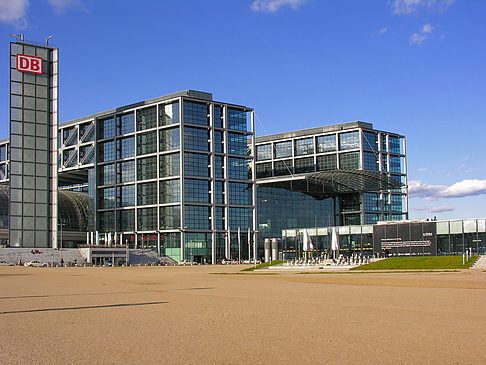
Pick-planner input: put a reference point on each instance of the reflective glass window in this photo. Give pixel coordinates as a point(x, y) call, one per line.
point(106, 198)
point(263, 169)
point(126, 196)
point(326, 143)
point(304, 146)
point(169, 139)
point(147, 143)
point(147, 168)
point(196, 113)
point(348, 141)
point(383, 143)
point(126, 220)
point(218, 116)
point(146, 118)
point(125, 147)
point(283, 149)
point(169, 165)
point(283, 167)
point(394, 144)
point(147, 193)
point(125, 124)
point(237, 168)
point(107, 174)
point(304, 165)
point(236, 119)
point(239, 193)
point(197, 217)
point(264, 152)
point(147, 219)
point(349, 161)
point(196, 164)
point(237, 144)
point(107, 127)
point(219, 192)
point(169, 113)
point(326, 162)
point(218, 167)
point(126, 171)
point(196, 139)
point(371, 202)
point(169, 191)
point(395, 164)
point(196, 191)
point(370, 141)
point(170, 217)
point(370, 161)
point(240, 217)
point(218, 142)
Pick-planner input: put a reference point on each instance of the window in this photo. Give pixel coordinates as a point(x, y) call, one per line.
point(147, 219)
point(239, 194)
point(283, 149)
point(147, 193)
point(395, 164)
point(304, 146)
point(125, 124)
point(237, 169)
point(237, 144)
point(236, 119)
point(196, 164)
point(218, 142)
point(196, 139)
point(107, 174)
point(384, 162)
point(107, 151)
point(146, 118)
point(169, 113)
point(326, 143)
point(125, 147)
point(196, 191)
point(169, 191)
point(147, 168)
point(349, 161)
point(169, 139)
point(370, 141)
point(218, 116)
point(383, 143)
point(147, 143)
point(240, 217)
point(219, 223)
point(126, 171)
point(283, 167)
point(396, 203)
point(126, 221)
point(264, 152)
point(219, 192)
point(107, 129)
point(107, 221)
point(107, 198)
point(326, 162)
point(394, 144)
point(371, 202)
point(263, 169)
point(348, 141)
point(126, 196)
point(304, 165)
point(169, 165)
point(370, 161)
point(218, 167)
point(197, 217)
point(170, 217)
point(196, 113)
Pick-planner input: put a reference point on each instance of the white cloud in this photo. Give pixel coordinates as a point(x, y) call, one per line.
point(417, 188)
point(272, 6)
point(423, 33)
point(404, 7)
point(427, 28)
point(13, 12)
point(422, 169)
point(383, 30)
point(417, 39)
point(60, 6)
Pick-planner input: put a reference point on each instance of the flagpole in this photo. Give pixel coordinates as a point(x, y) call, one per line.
point(239, 246)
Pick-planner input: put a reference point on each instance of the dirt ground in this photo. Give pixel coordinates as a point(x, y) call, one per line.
point(214, 315)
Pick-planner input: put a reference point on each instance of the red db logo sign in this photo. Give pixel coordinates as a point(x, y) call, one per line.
point(29, 64)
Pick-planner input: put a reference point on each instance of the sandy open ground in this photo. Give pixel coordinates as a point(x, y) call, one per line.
point(214, 315)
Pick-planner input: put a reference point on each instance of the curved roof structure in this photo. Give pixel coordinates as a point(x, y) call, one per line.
point(325, 184)
point(72, 209)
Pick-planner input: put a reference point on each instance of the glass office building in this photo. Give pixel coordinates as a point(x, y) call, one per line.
point(170, 174)
point(342, 174)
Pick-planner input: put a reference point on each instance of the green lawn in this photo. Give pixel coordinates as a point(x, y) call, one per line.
point(265, 264)
point(418, 263)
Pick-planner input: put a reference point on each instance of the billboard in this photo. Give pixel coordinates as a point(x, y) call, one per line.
point(406, 239)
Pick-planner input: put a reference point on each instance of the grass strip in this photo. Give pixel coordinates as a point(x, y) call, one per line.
point(373, 272)
point(265, 264)
point(419, 263)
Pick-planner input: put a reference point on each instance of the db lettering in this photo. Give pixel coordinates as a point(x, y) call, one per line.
point(29, 64)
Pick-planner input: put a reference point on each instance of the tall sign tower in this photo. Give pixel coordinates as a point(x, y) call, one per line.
point(33, 145)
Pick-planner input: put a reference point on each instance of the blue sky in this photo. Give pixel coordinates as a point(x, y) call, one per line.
point(415, 67)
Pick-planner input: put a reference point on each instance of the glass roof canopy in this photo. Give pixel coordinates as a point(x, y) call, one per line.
point(325, 184)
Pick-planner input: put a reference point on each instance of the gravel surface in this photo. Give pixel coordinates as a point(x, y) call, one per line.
point(216, 315)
